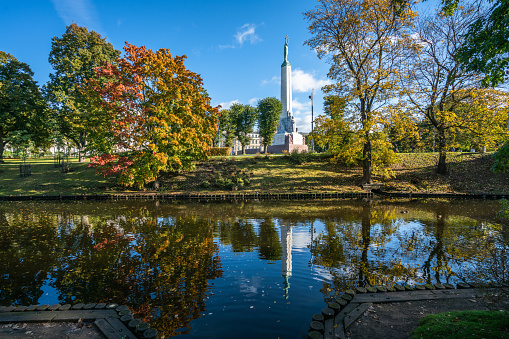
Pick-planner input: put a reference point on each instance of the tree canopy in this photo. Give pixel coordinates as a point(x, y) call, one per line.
point(439, 89)
point(23, 110)
point(365, 41)
point(269, 110)
point(486, 45)
point(226, 128)
point(154, 110)
point(74, 57)
point(244, 117)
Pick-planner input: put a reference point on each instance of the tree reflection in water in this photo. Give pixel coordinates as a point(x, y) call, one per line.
point(373, 245)
point(160, 259)
point(158, 267)
point(27, 255)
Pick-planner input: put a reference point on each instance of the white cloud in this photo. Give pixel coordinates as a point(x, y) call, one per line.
point(226, 46)
point(247, 33)
point(305, 82)
point(303, 122)
point(253, 101)
point(273, 80)
point(228, 104)
point(244, 33)
point(81, 12)
point(302, 113)
point(300, 106)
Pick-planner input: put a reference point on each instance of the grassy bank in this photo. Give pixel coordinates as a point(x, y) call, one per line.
point(48, 179)
point(464, 324)
point(469, 173)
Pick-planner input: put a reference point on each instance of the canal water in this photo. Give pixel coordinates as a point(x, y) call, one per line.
point(245, 269)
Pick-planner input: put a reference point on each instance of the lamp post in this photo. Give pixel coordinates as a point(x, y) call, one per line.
point(312, 118)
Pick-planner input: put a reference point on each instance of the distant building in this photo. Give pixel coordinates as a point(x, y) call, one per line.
point(255, 145)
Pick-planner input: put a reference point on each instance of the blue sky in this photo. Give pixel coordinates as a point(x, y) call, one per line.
point(236, 46)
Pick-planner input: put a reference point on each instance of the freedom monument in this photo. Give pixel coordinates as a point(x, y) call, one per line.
point(287, 138)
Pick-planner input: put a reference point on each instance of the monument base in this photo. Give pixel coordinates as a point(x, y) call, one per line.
point(288, 142)
point(278, 149)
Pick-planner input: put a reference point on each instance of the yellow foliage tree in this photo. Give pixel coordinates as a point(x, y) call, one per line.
point(449, 97)
point(365, 42)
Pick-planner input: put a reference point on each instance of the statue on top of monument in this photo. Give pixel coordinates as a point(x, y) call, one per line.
point(286, 49)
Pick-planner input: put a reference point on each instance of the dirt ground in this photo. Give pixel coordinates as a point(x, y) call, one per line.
point(398, 320)
point(56, 330)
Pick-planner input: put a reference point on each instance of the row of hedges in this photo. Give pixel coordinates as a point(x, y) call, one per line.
point(220, 151)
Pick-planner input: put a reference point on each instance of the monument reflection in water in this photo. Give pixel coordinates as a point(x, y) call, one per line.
point(229, 270)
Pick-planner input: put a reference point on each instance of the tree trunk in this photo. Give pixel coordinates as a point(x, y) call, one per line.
point(442, 166)
point(81, 147)
point(2, 146)
point(366, 162)
point(243, 150)
point(81, 158)
point(156, 184)
point(265, 149)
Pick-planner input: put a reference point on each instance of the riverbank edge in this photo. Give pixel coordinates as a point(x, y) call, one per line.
point(255, 196)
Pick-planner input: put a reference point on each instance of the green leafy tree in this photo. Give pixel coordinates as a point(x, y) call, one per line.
point(74, 56)
point(226, 128)
point(486, 45)
point(333, 131)
point(269, 110)
point(334, 106)
point(501, 158)
point(23, 110)
point(244, 117)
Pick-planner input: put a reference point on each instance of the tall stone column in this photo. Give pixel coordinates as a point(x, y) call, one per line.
point(286, 92)
point(287, 139)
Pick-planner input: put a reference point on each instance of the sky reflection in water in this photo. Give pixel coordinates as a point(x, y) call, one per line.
point(258, 269)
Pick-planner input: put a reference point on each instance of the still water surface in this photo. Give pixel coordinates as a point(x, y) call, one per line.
point(251, 270)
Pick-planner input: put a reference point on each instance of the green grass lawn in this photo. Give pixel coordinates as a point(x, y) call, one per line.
point(48, 179)
point(468, 173)
point(464, 324)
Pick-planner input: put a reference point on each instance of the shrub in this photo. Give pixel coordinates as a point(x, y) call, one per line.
point(501, 158)
point(220, 151)
point(298, 158)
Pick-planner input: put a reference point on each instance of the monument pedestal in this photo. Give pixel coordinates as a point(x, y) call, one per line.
point(288, 142)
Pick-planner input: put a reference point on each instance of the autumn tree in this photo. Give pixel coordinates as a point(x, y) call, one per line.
point(244, 117)
point(23, 110)
point(439, 83)
point(482, 119)
point(333, 131)
point(74, 56)
point(269, 110)
point(364, 40)
point(154, 110)
point(401, 127)
point(226, 130)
